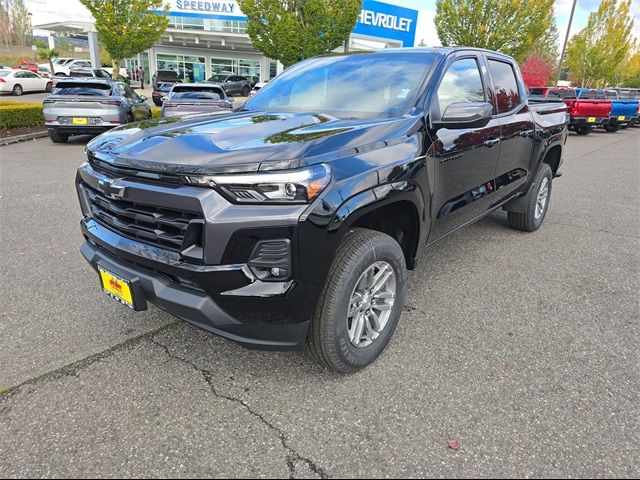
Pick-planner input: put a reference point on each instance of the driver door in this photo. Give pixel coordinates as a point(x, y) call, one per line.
point(464, 159)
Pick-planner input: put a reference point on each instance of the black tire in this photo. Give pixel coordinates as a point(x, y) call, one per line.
point(245, 91)
point(583, 130)
point(328, 337)
point(49, 87)
point(527, 221)
point(17, 90)
point(612, 128)
point(57, 137)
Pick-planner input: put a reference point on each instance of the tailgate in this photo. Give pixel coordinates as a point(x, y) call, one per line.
point(591, 108)
point(627, 108)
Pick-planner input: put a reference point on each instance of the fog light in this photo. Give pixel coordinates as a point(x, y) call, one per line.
point(278, 272)
point(270, 260)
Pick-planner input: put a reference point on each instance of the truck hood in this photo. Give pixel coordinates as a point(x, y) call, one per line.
point(243, 141)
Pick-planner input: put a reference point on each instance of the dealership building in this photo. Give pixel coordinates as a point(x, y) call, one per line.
point(209, 37)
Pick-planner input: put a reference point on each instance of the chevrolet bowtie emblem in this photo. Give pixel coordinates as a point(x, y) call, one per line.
point(110, 189)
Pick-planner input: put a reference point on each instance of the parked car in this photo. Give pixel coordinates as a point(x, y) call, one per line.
point(90, 106)
point(586, 114)
point(192, 98)
point(162, 81)
point(623, 111)
point(18, 82)
point(232, 84)
point(26, 65)
point(99, 73)
point(256, 88)
point(63, 66)
point(294, 220)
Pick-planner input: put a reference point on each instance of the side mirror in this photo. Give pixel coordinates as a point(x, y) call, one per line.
point(465, 115)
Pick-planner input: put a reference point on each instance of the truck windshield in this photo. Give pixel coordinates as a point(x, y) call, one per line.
point(362, 85)
point(83, 89)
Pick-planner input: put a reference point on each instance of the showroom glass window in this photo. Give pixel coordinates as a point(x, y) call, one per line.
point(507, 93)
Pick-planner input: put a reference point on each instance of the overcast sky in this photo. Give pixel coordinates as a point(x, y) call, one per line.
point(45, 11)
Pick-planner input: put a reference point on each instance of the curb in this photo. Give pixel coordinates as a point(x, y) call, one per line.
point(23, 138)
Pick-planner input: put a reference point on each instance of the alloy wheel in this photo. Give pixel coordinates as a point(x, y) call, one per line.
point(371, 304)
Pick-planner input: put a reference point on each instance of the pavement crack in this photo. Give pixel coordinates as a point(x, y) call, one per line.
point(72, 369)
point(292, 455)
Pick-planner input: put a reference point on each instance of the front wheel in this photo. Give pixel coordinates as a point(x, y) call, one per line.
point(612, 128)
point(362, 301)
point(583, 130)
point(537, 202)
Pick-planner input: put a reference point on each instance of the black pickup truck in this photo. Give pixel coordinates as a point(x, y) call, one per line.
point(293, 220)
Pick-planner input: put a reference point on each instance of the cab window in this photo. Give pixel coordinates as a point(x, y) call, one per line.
point(461, 83)
point(507, 93)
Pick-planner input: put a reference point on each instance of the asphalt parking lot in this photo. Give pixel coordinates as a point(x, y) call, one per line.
point(522, 347)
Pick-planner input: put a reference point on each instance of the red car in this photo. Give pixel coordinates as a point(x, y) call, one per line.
point(585, 113)
point(24, 65)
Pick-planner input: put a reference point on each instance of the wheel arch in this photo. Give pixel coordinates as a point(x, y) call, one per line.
point(400, 217)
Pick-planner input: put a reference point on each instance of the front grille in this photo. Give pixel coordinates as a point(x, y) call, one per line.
point(162, 227)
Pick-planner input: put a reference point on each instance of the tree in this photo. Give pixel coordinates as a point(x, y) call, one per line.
point(292, 30)
point(14, 23)
point(536, 70)
point(49, 55)
point(508, 26)
point(547, 44)
point(595, 53)
point(127, 27)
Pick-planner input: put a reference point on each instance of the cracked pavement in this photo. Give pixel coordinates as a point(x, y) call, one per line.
point(524, 347)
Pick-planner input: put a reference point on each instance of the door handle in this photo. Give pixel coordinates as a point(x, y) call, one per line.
point(492, 142)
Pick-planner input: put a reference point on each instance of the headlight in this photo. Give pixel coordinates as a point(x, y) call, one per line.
point(284, 186)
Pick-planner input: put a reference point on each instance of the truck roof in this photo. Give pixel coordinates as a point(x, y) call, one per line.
point(438, 51)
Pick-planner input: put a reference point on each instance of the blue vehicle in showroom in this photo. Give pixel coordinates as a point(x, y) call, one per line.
point(624, 111)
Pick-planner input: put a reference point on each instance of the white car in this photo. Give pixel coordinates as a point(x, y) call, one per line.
point(63, 66)
point(256, 87)
point(20, 81)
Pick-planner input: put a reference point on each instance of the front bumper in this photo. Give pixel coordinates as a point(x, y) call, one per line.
point(217, 291)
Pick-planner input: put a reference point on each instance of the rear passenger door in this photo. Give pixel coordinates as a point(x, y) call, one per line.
point(517, 128)
point(464, 159)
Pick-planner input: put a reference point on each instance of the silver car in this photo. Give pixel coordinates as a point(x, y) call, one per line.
point(192, 98)
point(90, 106)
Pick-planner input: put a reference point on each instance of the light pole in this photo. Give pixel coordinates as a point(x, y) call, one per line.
point(566, 39)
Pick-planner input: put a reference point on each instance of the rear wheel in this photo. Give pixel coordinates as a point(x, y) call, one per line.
point(245, 91)
point(583, 130)
point(57, 137)
point(537, 202)
point(362, 301)
point(612, 128)
point(49, 87)
point(17, 90)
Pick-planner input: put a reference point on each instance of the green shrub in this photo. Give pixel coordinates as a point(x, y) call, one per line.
point(16, 115)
